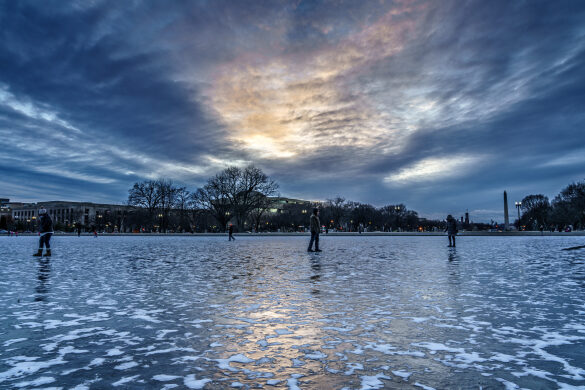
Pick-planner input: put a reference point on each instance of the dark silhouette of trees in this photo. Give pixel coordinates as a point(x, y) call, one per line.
point(569, 206)
point(236, 192)
point(337, 210)
point(535, 211)
point(145, 195)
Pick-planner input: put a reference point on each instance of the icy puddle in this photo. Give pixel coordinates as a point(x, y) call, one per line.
point(367, 313)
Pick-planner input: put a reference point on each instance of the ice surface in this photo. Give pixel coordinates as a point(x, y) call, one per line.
point(368, 312)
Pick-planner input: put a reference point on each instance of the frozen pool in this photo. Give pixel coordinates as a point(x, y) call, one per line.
point(368, 312)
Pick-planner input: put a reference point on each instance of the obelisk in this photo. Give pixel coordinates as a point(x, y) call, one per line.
point(506, 218)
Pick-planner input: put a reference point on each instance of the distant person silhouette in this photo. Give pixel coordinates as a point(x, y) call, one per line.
point(231, 233)
point(45, 231)
point(451, 229)
point(315, 230)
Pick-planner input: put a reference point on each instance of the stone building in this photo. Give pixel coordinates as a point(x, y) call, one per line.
point(100, 216)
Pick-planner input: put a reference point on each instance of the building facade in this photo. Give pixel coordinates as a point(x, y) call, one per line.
point(72, 214)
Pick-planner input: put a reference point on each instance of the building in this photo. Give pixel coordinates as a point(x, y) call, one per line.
point(279, 204)
point(4, 207)
point(100, 216)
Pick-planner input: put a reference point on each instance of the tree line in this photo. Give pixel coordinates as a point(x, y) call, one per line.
point(566, 210)
point(248, 198)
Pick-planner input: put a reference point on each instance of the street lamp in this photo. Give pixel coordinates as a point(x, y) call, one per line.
point(518, 205)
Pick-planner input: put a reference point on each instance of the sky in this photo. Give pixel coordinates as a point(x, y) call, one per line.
point(440, 105)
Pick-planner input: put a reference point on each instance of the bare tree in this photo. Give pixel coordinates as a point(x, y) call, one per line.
point(145, 195)
point(259, 212)
point(235, 191)
point(167, 192)
point(183, 204)
point(249, 189)
point(213, 198)
point(337, 209)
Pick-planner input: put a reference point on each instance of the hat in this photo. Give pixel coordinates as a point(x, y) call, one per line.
point(42, 211)
point(315, 210)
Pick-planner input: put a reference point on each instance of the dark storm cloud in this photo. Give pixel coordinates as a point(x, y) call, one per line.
point(441, 106)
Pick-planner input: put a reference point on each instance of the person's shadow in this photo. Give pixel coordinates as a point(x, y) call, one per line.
point(43, 275)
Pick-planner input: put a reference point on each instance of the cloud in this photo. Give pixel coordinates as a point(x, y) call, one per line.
point(378, 101)
point(434, 169)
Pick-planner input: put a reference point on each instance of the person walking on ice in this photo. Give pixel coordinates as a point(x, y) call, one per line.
point(45, 231)
point(315, 230)
point(451, 230)
point(231, 233)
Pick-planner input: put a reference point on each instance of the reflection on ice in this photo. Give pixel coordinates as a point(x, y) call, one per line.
point(367, 313)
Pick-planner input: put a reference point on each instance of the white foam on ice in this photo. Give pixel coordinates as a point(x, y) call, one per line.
point(508, 385)
point(338, 329)
point(126, 366)
point(384, 348)
point(145, 315)
point(125, 380)
point(165, 378)
point(293, 382)
point(418, 320)
point(13, 341)
point(435, 347)
point(28, 367)
point(424, 387)
point(167, 350)
point(163, 332)
point(352, 367)
point(69, 349)
point(373, 382)
point(316, 355)
point(403, 374)
point(237, 384)
point(43, 380)
point(297, 362)
point(97, 362)
point(224, 364)
point(114, 352)
point(193, 383)
point(273, 382)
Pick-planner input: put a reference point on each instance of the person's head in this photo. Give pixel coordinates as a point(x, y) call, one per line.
point(316, 211)
point(42, 211)
point(449, 217)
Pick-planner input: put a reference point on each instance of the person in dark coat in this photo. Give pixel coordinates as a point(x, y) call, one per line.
point(451, 229)
point(231, 233)
point(45, 231)
point(315, 230)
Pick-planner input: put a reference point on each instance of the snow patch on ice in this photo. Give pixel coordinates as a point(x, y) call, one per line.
point(125, 380)
point(191, 382)
point(43, 380)
point(165, 378)
point(373, 382)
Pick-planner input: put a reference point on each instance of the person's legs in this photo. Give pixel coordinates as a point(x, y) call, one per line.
point(311, 242)
point(41, 243)
point(453, 240)
point(47, 238)
point(450, 242)
point(317, 243)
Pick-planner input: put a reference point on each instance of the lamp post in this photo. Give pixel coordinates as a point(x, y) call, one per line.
point(160, 216)
point(518, 205)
